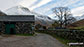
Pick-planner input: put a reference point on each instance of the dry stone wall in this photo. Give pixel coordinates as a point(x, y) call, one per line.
point(20, 28)
point(75, 35)
point(24, 28)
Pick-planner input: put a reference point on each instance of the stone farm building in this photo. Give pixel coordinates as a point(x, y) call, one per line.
point(12, 24)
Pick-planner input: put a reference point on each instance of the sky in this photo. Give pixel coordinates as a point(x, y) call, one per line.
point(45, 6)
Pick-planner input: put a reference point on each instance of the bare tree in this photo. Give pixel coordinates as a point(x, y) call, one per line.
point(64, 15)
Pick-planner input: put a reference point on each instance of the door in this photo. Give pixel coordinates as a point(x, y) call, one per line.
point(10, 29)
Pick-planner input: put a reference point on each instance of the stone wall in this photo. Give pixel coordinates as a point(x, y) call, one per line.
point(73, 35)
point(24, 28)
point(2, 27)
point(21, 28)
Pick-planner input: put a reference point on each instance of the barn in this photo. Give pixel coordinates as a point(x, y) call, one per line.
point(17, 24)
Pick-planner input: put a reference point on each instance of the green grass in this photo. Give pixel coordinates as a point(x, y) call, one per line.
point(82, 28)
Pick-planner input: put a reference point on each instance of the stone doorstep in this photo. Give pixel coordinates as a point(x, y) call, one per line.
point(74, 44)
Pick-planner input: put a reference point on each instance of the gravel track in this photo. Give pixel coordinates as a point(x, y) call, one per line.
point(40, 40)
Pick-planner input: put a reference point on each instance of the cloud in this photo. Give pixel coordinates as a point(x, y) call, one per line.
point(32, 4)
point(5, 4)
point(48, 7)
point(78, 4)
point(27, 3)
point(76, 7)
point(61, 3)
point(79, 11)
point(45, 6)
point(35, 3)
point(70, 2)
point(42, 2)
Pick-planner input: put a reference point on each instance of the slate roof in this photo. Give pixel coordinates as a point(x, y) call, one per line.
point(18, 18)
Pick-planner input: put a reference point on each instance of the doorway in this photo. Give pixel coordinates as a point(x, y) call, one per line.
point(10, 29)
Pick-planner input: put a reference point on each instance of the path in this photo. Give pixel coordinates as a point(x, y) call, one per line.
point(40, 40)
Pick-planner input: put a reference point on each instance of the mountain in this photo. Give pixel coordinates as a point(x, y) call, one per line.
point(39, 19)
point(82, 17)
point(79, 23)
point(2, 14)
point(79, 17)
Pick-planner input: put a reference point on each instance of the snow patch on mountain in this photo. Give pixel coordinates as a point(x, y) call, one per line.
point(79, 17)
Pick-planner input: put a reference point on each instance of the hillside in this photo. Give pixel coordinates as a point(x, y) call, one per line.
point(79, 23)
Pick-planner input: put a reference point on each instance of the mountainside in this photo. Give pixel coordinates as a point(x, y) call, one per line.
point(82, 17)
point(79, 23)
point(1, 13)
point(39, 19)
point(79, 17)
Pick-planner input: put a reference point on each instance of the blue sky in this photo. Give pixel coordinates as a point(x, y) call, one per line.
point(45, 6)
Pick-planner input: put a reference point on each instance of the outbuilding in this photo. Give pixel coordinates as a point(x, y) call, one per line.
point(12, 24)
